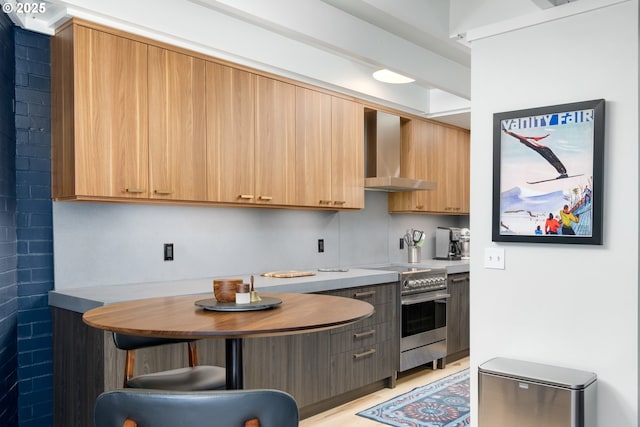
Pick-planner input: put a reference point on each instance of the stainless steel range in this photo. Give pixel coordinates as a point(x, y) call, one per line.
point(423, 319)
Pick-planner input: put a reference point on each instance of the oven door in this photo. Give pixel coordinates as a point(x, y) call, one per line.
point(424, 319)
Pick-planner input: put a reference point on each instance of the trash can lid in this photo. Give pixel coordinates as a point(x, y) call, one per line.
point(537, 372)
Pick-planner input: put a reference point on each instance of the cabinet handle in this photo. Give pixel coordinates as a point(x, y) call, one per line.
point(364, 354)
point(364, 334)
point(163, 192)
point(340, 202)
point(245, 196)
point(265, 198)
point(325, 202)
point(134, 190)
point(364, 294)
point(463, 279)
point(420, 207)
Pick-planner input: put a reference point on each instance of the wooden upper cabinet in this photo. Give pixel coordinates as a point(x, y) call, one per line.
point(275, 141)
point(136, 119)
point(329, 151)
point(425, 160)
point(230, 98)
point(452, 146)
point(417, 138)
point(464, 164)
point(347, 151)
point(313, 149)
point(435, 153)
point(100, 122)
point(177, 126)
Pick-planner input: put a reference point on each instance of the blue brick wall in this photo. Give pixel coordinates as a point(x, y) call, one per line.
point(34, 227)
point(8, 243)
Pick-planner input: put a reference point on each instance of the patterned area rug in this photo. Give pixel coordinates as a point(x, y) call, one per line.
point(444, 403)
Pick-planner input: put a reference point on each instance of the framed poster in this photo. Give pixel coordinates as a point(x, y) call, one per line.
point(548, 174)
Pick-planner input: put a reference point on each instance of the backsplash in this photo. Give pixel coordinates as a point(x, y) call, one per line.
point(103, 244)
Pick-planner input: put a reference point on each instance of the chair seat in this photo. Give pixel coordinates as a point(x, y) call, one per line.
point(198, 378)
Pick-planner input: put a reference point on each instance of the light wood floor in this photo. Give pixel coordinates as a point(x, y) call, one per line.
point(345, 415)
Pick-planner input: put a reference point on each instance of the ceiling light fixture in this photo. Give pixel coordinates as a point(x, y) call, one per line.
point(388, 76)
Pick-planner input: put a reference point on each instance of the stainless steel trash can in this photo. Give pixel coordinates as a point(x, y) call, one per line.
point(525, 394)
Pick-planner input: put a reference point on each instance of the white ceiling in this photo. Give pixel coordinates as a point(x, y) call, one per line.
point(333, 43)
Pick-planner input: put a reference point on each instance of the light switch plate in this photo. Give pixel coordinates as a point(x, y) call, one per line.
point(494, 258)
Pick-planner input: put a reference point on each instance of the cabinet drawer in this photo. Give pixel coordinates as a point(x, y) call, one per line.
point(360, 337)
point(362, 366)
point(374, 295)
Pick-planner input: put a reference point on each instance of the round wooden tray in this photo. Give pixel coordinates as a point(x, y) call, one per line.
point(213, 305)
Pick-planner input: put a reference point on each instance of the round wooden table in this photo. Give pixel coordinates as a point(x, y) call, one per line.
point(178, 317)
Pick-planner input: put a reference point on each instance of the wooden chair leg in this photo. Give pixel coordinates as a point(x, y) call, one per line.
point(128, 366)
point(193, 354)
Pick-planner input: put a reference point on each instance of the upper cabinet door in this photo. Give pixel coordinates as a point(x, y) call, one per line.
point(347, 151)
point(275, 141)
point(426, 162)
point(230, 134)
point(177, 129)
point(110, 115)
point(460, 150)
point(313, 148)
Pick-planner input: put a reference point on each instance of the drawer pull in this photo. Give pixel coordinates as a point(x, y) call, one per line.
point(134, 190)
point(163, 192)
point(340, 202)
point(324, 202)
point(365, 354)
point(265, 198)
point(364, 334)
point(245, 196)
point(364, 294)
point(463, 279)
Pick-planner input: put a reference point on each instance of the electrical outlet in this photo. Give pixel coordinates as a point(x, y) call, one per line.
point(494, 258)
point(168, 251)
point(320, 245)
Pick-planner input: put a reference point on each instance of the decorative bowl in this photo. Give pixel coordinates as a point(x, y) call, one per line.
point(225, 289)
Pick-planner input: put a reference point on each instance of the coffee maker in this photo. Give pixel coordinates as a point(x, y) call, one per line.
point(448, 243)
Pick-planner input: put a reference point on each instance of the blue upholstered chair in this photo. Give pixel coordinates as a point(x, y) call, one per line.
point(195, 377)
point(226, 408)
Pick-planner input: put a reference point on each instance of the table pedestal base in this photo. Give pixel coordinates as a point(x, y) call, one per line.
point(234, 364)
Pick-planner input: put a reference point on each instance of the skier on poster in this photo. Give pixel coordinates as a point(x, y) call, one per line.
point(544, 151)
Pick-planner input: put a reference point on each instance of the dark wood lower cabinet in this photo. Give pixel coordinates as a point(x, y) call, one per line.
point(296, 364)
point(458, 316)
point(321, 369)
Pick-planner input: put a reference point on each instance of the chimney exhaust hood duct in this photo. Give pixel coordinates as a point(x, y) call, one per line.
point(382, 135)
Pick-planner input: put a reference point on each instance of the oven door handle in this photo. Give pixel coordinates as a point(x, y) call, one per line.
point(418, 300)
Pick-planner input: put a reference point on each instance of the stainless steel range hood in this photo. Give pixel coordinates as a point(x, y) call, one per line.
point(382, 149)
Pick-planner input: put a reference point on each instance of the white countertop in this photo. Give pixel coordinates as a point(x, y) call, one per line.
point(84, 299)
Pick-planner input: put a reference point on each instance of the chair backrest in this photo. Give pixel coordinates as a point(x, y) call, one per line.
point(228, 408)
point(133, 342)
point(130, 343)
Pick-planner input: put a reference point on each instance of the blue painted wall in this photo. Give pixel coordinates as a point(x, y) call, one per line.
point(34, 227)
point(8, 242)
point(26, 236)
